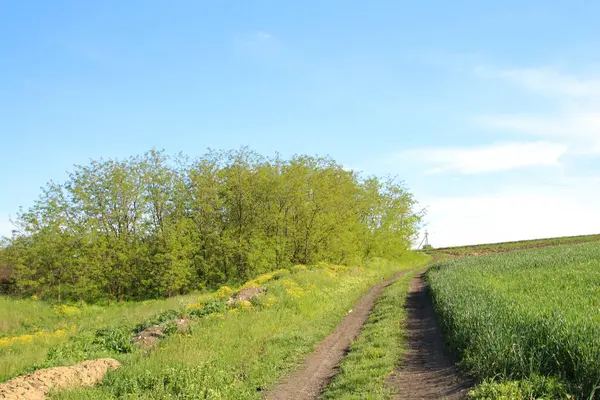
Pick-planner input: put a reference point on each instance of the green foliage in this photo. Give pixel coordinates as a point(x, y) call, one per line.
point(281, 274)
point(88, 345)
point(37, 329)
point(161, 318)
point(152, 226)
point(533, 387)
point(116, 340)
point(527, 316)
point(240, 353)
point(77, 348)
point(213, 306)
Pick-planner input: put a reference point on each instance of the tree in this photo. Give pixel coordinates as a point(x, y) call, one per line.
point(155, 225)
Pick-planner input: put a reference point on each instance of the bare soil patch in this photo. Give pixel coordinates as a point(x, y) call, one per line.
point(35, 386)
point(246, 294)
point(149, 337)
point(308, 381)
point(427, 370)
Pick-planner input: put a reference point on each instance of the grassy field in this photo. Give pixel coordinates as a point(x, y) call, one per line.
point(481, 249)
point(229, 354)
point(526, 323)
point(377, 351)
point(30, 328)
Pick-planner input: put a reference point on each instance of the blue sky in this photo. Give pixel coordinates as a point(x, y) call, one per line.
point(489, 112)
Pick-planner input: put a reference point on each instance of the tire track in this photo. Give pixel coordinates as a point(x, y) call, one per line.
point(308, 381)
point(427, 370)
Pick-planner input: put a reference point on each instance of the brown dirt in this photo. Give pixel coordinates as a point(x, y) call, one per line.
point(427, 370)
point(246, 294)
point(310, 378)
point(149, 337)
point(36, 385)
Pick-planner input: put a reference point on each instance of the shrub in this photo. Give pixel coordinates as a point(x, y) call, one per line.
point(211, 307)
point(117, 340)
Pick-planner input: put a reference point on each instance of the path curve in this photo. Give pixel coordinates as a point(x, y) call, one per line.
point(308, 381)
point(427, 370)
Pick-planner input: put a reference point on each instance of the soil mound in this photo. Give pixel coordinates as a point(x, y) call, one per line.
point(149, 337)
point(36, 385)
point(246, 294)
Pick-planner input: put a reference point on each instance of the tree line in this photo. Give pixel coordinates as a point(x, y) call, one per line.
point(157, 225)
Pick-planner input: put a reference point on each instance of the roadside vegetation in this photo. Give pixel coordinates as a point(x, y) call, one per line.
point(378, 350)
point(126, 245)
point(30, 328)
point(238, 352)
point(525, 323)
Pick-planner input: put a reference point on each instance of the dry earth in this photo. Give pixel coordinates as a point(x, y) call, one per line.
point(427, 371)
point(35, 386)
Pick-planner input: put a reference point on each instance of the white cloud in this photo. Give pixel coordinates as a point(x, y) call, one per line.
point(577, 122)
point(514, 214)
point(489, 158)
point(527, 210)
point(581, 129)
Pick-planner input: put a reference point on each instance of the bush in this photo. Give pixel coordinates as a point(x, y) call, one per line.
point(117, 340)
point(211, 307)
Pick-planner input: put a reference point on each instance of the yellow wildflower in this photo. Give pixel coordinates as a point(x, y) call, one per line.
point(66, 310)
point(194, 306)
point(245, 304)
point(30, 337)
point(223, 292)
point(292, 288)
point(270, 300)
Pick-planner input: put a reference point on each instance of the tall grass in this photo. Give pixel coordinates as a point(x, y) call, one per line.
point(532, 315)
point(242, 352)
point(28, 328)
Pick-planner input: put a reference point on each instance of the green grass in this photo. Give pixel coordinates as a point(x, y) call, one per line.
point(377, 351)
point(527, 321)
point(22, 316)
point(230, 355)
point(21, 319)
point(509, 246)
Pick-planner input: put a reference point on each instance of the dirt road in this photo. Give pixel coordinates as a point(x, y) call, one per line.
point(310, 378)
point(427, 371)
